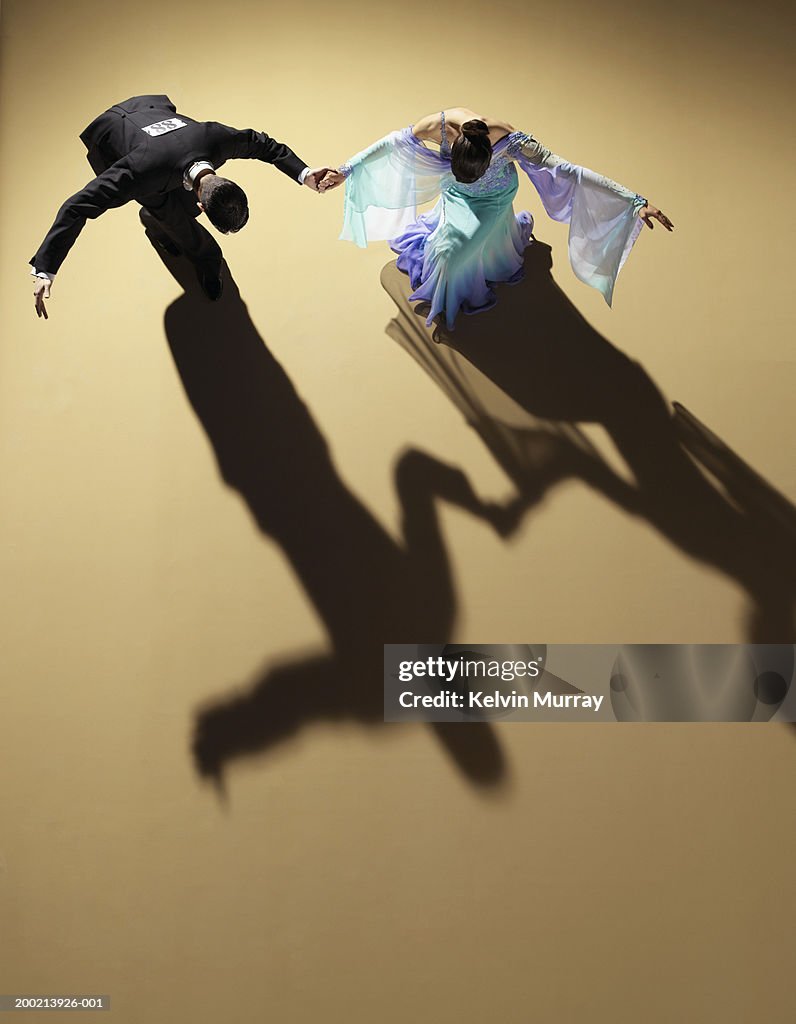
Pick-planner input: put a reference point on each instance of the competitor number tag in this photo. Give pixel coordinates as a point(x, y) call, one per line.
point(161, 127)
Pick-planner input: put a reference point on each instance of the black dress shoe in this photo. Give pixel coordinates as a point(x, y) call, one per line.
point(156, 236)
point(210, 281)
point(166, 245)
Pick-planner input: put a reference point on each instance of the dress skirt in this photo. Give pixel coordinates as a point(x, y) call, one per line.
point(457, 252)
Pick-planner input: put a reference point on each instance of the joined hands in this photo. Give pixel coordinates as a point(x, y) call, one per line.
point(322, 179)
point(331, 180)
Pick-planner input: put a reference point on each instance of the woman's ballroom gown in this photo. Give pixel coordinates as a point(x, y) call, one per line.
point(471, 239)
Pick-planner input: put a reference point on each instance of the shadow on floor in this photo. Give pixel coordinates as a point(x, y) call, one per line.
point(366, 588)
point(525, 374)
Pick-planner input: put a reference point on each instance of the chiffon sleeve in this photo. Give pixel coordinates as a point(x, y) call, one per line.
point(384, 185)
point(602, 214)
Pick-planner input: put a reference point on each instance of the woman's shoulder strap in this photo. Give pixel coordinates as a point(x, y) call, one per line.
point(444, 146)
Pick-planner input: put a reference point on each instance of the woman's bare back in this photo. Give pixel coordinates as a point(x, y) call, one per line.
point(429, 128)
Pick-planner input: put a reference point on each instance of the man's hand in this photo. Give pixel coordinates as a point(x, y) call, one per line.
point(313, 178)
point(41, 291)
point(331, 180)
point(649, 213)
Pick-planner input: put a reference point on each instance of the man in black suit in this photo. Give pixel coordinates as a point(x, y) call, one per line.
point(143, 150)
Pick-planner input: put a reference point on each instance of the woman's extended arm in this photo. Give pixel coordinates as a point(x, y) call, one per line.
point(385, 183)
point(604, 217)
point(541, 156)
point(427, 128)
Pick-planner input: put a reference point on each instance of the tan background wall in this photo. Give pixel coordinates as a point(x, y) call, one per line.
point(356, 874)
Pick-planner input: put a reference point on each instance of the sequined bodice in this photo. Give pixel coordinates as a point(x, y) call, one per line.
point(501, 173)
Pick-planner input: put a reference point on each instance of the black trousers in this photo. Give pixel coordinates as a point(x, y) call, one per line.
point(175, 215)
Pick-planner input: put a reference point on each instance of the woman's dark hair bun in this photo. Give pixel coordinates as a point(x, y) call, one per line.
point(475, 129)
point(471, 152)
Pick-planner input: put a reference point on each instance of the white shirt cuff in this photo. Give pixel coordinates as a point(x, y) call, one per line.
point(302, 175)
point(189, 177)
point(42, 273)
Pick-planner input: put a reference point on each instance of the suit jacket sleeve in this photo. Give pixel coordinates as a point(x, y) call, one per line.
point(112, 188)
point(247, 144)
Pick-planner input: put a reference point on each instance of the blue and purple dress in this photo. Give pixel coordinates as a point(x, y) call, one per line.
point(471, 239)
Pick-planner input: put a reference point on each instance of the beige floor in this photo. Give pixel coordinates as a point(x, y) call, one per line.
point(355, 872)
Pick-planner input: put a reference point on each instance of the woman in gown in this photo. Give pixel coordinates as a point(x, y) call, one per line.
point(472, 239)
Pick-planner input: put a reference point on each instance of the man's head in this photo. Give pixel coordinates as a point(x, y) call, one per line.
point(224, 202)
point(471, 153)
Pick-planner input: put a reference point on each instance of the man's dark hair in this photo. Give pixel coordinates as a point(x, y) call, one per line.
point(471, 153)
point(225, 204)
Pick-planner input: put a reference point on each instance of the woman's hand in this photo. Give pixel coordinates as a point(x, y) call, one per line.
point(650, 213)
point(314, 176)
point(331, 180)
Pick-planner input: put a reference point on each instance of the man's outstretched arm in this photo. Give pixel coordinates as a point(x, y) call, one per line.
point(248, 144)
point(112, 188)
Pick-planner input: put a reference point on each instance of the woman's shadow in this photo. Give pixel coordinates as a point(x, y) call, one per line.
point(367, 588)
point(528, 372)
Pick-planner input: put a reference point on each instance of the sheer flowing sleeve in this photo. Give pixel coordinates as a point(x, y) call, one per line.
point(385, 184)
point(602, 214)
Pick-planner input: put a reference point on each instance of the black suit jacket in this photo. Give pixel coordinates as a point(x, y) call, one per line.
point(140, 149)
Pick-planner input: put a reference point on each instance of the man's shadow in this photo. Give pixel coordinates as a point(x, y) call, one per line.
point(367, 588)
point(526, 373)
